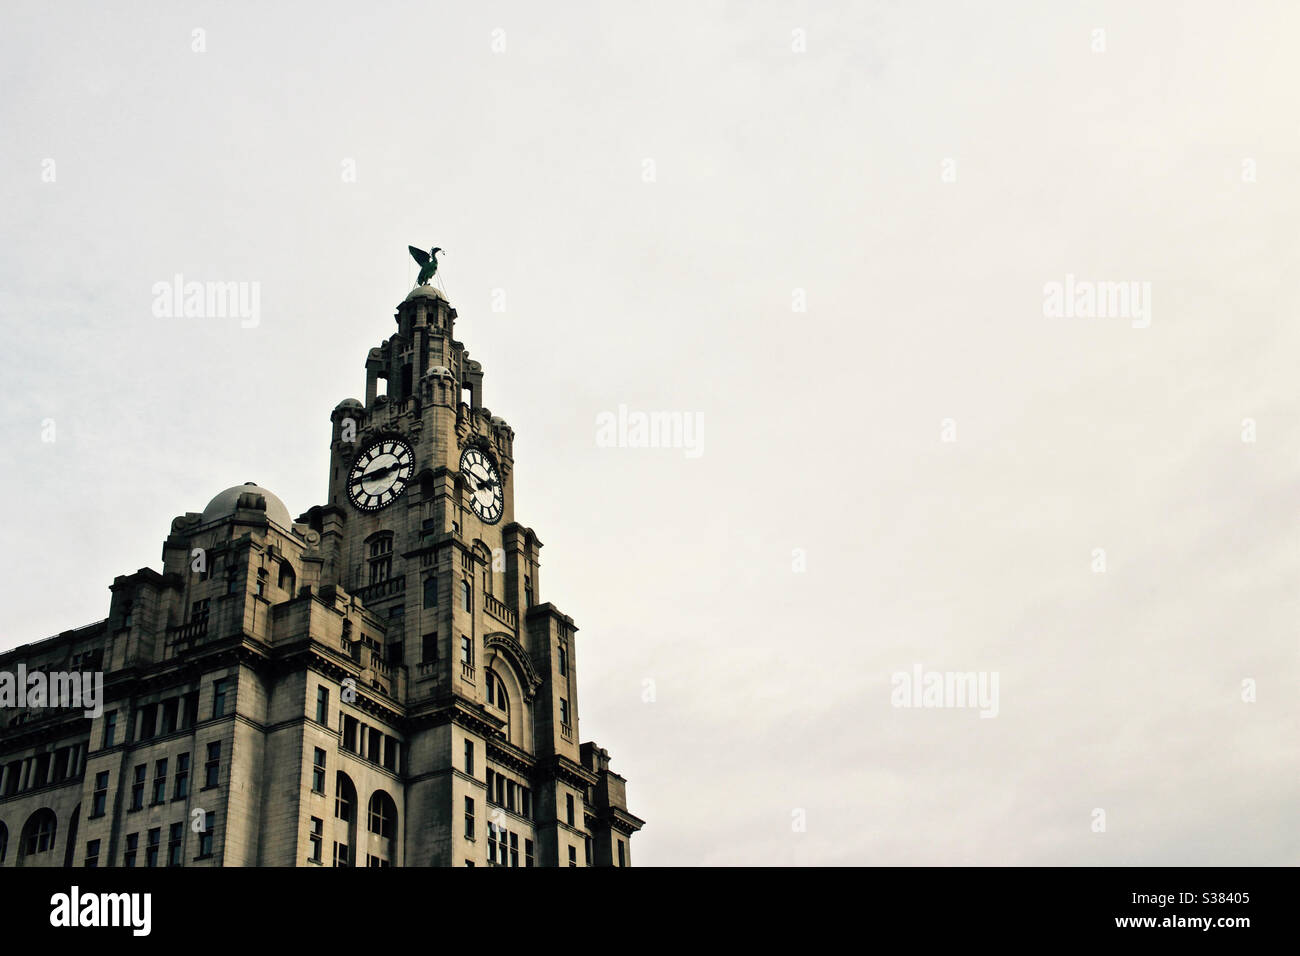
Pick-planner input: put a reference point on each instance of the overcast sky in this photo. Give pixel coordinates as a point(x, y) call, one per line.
point(656, 190)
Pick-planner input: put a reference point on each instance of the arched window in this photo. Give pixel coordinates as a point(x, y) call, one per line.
point(39, 832)
point(383, 815)
point(345, 797)
point(497, 697)
point(288, 580)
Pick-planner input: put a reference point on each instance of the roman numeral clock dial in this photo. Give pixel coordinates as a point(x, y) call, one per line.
point(380, 473)
point(486, 496)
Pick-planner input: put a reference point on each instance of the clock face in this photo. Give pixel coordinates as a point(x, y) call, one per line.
point(486, 495)
point(380, 473)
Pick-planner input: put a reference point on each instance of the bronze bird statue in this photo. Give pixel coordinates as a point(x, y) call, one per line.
point(428, 262)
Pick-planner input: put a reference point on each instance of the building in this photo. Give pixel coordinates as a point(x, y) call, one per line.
point(376, 683)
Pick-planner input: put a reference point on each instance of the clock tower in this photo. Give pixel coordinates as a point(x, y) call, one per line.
point(420, 533)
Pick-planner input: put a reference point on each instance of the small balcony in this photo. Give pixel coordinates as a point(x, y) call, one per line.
point(499, 611)
point(382, 589)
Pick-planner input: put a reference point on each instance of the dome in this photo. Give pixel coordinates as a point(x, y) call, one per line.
point(426, 292)
point(248, 495)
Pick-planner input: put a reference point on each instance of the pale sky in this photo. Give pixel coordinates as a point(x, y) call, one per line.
point(654, 187)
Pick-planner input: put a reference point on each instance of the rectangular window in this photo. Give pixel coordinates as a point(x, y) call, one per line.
point(501, 791)
point(322, 705)
point(151, 848)
point(469, 818)
point(170, 713)
point(526, 803)
point(429, 649)
point(92, 853)
point(341, 854)
point(349, 732)
point(317, 839)
point(510, 795)
point(137, 787)
point(492, 844)
point(568, 808)
point(622, 859)
point(110, 728)
point(208, 836)
point(564, 712)
point(469, 757)
point(514, 849)
point(220, 688)
point(431, 591)
point(318, 772)
point(159, 781)
point(491, 776)
point(128, 857)
point(528, 592)
point(466, 650)
point(175, 835)
point(148, 722)
point(528, 853)
point(573, 855)
point(182, 788)
point(374, 745)
point(390, 753)
point(586, 850)
point(99, 799)
point(212, 769)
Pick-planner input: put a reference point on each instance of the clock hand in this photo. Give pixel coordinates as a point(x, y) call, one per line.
point(378, 473)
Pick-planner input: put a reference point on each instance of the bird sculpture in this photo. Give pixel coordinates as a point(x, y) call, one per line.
point(428, 262)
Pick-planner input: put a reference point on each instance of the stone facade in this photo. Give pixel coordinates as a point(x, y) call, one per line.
point(361, 687)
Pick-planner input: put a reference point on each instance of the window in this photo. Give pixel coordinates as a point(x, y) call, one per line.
point(563, 660)
point(170, 711)
point(199, 610)
point(151, 848)
point(341, 854)
point(206, 836)
point(469, 757)
point(349, 732)
point(182, 788)
point(318, 771)
point(159, 782)
point(526, 802)
point(40, 831)
point(261, 582)
point(345, 796)
point(564, 712)
point(622, 858)
point(383, 815)
point(232, 581)
point(396, 623)
point(573, 855)
point(92, 853)
point(137, 787)
point(99, 799)
point(528, 853)
point(381, 559)
point(317, 839)
point(431, 591)
point(212, 768)
point(464, 595)
point(514, 849)
point(491, 776)
point(510, 795)
point(466, 650)
point(528, 592)
point(322, 705)
point(469, 818)
point(586, 850)
point(568, 808)
point(148, 722)
point(110, 728)
point(175, 834)
point(428, 649)
point(220, 688)
point(492, 844)
point(501, 791)
point(128, 856)
point(287, 578)
point(496, 691)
